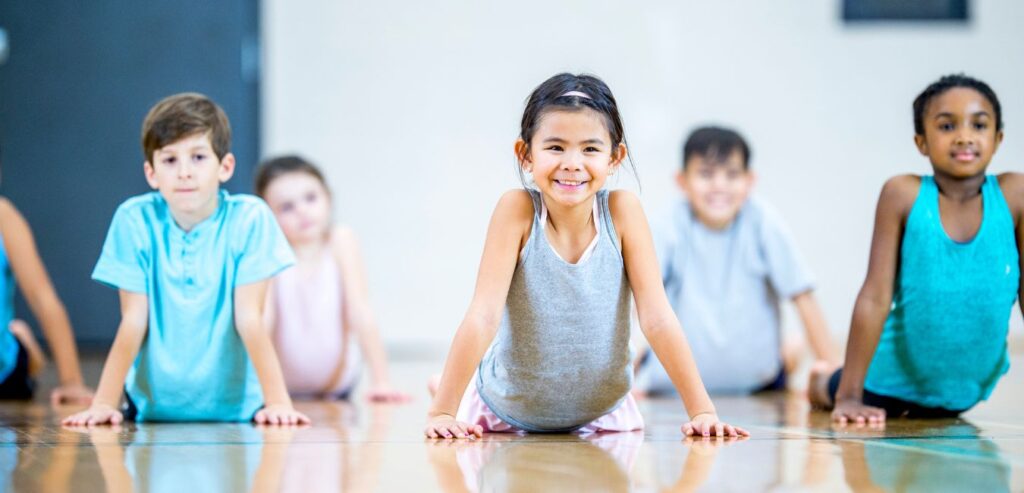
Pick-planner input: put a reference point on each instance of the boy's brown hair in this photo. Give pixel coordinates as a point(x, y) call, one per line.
point(183, 115)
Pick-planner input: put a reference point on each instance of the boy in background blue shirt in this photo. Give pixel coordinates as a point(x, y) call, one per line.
point(727, 261)
point(191, 264)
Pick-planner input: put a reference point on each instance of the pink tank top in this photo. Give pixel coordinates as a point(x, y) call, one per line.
point(310, 337)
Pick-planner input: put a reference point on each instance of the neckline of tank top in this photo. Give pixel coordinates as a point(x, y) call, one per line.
point(985, 203)
point(587, 252)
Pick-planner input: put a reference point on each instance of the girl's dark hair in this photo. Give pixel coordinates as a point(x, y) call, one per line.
point(949, 82)
point(274, 167)
point(551, 95)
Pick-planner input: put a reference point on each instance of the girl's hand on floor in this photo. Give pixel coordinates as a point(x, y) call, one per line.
point(708, 424)
point(445, 426)
point(386, 394)
point(98, 414)
point(71, 394)
point(280, 414)
point(855, 411)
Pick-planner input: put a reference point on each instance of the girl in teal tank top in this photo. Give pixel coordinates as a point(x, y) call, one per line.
point(928, 337)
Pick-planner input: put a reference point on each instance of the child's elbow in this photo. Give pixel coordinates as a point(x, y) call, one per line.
point(248, 324)
point(652, 327)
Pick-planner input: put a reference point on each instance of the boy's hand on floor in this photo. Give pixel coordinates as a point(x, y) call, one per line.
point(97, 414)
point(71, 394)
point(855, 411)
point(708, 424)
point(280, 414)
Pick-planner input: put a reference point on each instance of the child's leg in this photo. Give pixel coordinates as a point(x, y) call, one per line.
point(36, 357)
point(818, 388)
point(825, 382)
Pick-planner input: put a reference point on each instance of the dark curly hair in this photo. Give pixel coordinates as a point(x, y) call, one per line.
point(946, 83)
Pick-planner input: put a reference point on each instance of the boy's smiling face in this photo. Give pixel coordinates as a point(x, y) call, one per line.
point(188, 175)
point(716, 188)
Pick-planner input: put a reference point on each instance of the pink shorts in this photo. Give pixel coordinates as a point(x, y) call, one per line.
point(474, 410)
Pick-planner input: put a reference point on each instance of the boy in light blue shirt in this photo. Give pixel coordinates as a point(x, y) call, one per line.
point(727, 262)
point(191, 263)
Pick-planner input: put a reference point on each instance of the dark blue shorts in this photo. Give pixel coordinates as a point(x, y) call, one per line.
point(18, 385)
point(894, 408)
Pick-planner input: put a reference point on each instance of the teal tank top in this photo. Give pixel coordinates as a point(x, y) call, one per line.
point(944, 342)
point(8, 344)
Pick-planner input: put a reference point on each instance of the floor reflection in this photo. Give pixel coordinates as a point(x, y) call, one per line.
point(509, 462)
point(362, 447)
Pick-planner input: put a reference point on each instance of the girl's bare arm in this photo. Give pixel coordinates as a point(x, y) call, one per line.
point(34, 282)
point(509, 228)
point(875, 297)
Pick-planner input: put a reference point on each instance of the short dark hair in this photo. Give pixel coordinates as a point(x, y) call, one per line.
point(715, 144)
point(554, 95)
point(272, 168)
point(183, 115)
point(946, 83)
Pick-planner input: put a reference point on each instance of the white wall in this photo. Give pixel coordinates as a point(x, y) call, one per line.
point(412, 108)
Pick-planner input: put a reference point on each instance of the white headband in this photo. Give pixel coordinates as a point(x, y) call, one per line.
point(575, 93)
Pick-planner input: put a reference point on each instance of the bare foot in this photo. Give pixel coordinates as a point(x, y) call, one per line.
point(817, 387)
point(433, 383)
point(36, 357)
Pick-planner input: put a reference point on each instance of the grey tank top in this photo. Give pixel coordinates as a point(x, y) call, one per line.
point(560, 358)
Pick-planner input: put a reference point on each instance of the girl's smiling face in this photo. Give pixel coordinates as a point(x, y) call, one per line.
point(570, 156)
point(960, 134)
point(302, 206)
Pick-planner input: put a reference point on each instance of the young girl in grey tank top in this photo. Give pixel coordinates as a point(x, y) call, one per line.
point(547, 331)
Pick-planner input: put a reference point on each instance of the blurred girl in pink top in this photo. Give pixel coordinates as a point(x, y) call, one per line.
point(318, 309)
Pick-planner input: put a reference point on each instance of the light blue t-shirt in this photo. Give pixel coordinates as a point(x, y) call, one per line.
point(725, 287)
point(192, 365)
point(8, 343)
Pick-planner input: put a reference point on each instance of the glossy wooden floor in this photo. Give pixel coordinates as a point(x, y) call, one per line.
point(360, 447)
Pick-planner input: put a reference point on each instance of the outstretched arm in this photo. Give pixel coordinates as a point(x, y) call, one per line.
point(873, 302)
point(31, 276)
point(658, 321)
point(508, 230)
point(277, 409)
point(130, 334)
point(359, 316)
point(817, 328)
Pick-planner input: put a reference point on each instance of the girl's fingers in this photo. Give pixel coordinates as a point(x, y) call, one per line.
point(688, 429)
point(718, 429)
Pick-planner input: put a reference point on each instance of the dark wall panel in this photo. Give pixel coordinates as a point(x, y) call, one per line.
point(78, 79)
